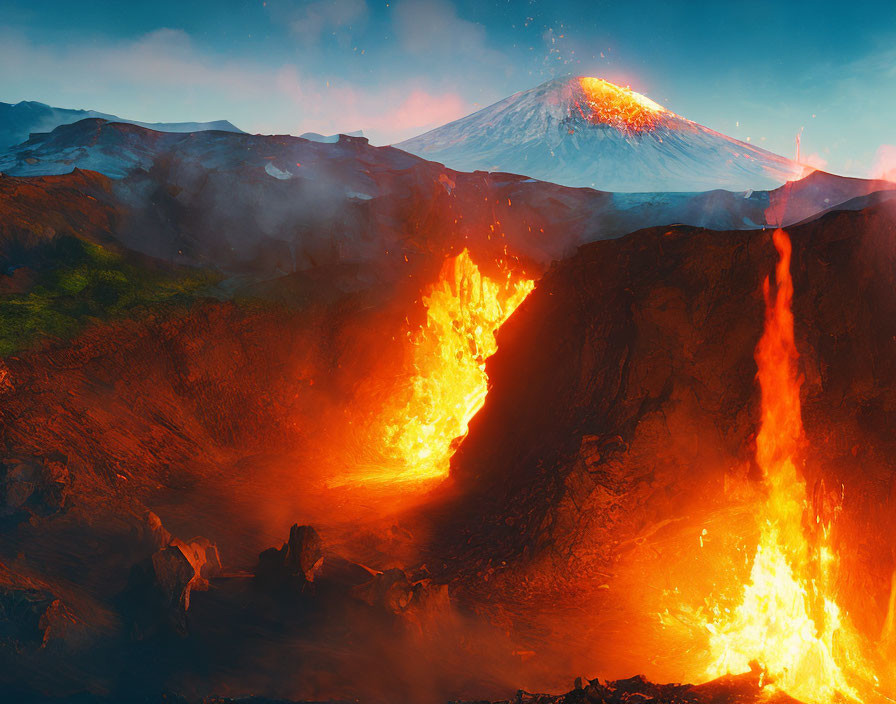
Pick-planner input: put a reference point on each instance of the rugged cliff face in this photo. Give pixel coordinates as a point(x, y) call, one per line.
point(621, 418)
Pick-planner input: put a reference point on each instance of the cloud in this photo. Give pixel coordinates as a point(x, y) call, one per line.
point(432, 28)
point(312, 20)
point(421, 109)
point(814, 160)
point(397, 110)
point(164, 77)
point(164, 58)
point(884, 163)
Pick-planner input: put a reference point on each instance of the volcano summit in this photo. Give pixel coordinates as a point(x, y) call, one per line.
point(588, 132)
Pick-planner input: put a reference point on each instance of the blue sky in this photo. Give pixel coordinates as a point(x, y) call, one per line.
point(759, 69)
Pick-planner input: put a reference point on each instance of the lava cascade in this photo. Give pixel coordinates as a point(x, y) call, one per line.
point(464, 309)
point(787, 622)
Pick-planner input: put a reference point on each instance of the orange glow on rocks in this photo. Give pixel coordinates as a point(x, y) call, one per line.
point(608, 104)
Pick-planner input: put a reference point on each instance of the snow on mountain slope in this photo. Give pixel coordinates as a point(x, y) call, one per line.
point(329, 138)
point(19, 120)
point(588, 132)
point(119, 149)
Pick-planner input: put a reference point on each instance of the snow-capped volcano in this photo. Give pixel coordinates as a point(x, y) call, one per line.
point(588, 132)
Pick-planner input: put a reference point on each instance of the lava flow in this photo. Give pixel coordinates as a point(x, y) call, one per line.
point(464, 309)
point(787, 622)
point(619, 107)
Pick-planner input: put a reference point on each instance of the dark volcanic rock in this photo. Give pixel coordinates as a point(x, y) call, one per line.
point(619, 389)
point(293, 565)
point(33, 485)
point(30, 616)
point(390, 590)
point(36, 211)
point(158, 594)
point(742, 689)
point(173, 572)
point(281, 204)
point(304, 552)
point(33, 617)
point(419, 600)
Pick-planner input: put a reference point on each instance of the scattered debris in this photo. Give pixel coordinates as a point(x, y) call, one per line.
point(393, 591)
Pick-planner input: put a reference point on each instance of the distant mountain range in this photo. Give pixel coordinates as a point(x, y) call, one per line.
point(584, 131)
point(328, 138)
point(209, 194)
point(279, 203)
point(19, 120)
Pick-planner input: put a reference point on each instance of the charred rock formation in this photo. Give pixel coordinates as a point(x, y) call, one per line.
point(31, 616)
point(742, 689)
point(397, 593)
point(158, 594)
point(390, 590)
point(295, 564)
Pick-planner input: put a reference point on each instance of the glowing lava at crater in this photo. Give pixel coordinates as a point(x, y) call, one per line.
point(608, 104)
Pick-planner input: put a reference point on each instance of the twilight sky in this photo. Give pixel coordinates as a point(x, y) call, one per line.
point(760, 69)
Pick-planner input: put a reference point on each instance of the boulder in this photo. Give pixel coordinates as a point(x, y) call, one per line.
point(158, 594)
point(304, 553)
point(154, 532)
point(295, 564)
point(33, 485)
point(31, 614)
point(31, 617)
point(205, 557)
point(393, 591)
point(173, 574)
